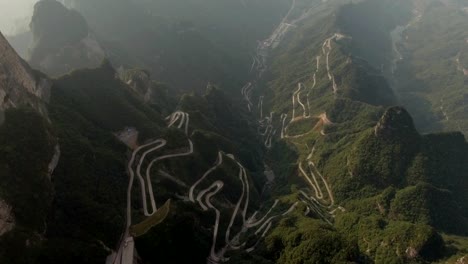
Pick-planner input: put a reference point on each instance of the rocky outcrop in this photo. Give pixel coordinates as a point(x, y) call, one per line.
point(54, 161)
point(149, 91)
point(62, 41)
point(19, 84)
point(7, 220)
point(128, 136)
point(411, 253)
point(462, 260)
point(140, 82)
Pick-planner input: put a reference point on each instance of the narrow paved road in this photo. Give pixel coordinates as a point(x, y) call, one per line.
point(204, 198)
point(232, 241)
point(125, 252)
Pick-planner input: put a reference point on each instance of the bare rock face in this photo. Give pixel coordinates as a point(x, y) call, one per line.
point(411, 253)
point(128, 136)
point(19, 84)
point(149, 91)
point(462, 260)
point(13, 67)
point(54, 162)
point(7, 220)
point(139, 81)
point(395, 122)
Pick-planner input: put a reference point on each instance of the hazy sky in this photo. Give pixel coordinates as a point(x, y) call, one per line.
point(15, 14)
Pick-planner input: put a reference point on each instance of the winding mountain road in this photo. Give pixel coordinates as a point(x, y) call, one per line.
point(204, 198)
point(125, 252)
point(232, 241)
point(318, 202)
point(260, 105)
point(247, 94)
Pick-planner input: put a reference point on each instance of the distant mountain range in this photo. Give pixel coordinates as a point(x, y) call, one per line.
point(252, 131)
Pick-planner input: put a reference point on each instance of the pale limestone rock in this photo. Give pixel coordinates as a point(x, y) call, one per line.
point(462, 260)
point(411, 253)
point(7, 220)
point(19, 84)
point(54, 162)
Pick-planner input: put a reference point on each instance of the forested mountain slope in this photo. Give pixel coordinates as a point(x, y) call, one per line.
point(324, 92)
point(291, 152)
point(82, 202)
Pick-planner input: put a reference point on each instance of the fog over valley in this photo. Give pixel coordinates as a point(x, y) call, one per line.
point(15, 15)
point(233, 131)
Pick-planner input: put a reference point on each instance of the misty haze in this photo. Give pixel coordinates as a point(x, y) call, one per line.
point(233, 131)
point(15, 15)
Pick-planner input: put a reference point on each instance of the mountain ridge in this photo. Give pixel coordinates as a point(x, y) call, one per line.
point(309, 161)
point(19, 84)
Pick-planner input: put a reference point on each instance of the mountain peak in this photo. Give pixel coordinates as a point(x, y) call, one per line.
point(395, 122)
point(62, 41)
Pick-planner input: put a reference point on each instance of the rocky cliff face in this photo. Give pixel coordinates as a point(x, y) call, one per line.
point(19, 84)
point(139, 81)
point(54, 162)
point(149, 91)
point(62, 41)
point(7, 220)
point(462, 260)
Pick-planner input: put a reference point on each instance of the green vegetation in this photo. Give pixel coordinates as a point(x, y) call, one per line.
point(24, 157)
point(426, 204)
point(86, 108)
point(214, 112)
point(105, 101)
point(299, 126)
point(181, 230)
point(302, 240)
point(456, 247)
point(24, 184)
point(90, 184)
point(382, 154)
point(395, 184)
point(400, 196)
